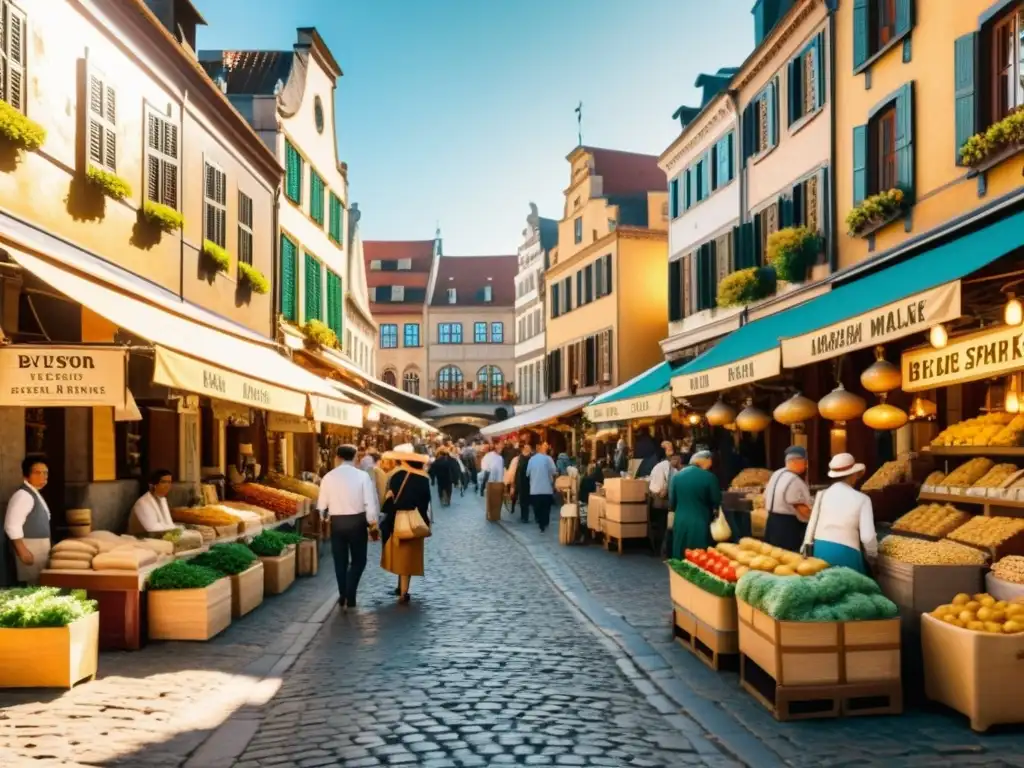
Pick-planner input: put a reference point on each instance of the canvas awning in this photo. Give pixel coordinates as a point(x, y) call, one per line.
point(648, 395)
point(894, 302)
point(552, 409)
point(190, 354)
point(382, 407)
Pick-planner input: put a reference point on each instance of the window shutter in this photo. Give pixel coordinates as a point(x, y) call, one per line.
point(793, 90)
point(821, 203)
point(796, 213)
point(905, 138)
point(723, 156)
point(579, 288)
point(860, 164)
point(554, 301)
point(687, 288)
point(723, 259)
point(288, 279)
point(705, 192)
point(693, 194)
point(312, 292)
point(904, 16)
point(675, 306)
point(965, 57)
point(772, 95)
point(749, 132)
point(785, 211)
point(673, 202)
point(608, 272)
point(12, 57)
point(819, 69)
point(861, 32)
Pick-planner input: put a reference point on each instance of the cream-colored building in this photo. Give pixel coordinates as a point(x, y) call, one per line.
point(360, 342)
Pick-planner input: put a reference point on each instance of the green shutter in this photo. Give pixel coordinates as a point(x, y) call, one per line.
point(673, 187)
point(965, 55)
point(755, 243)
point(675, 295)
point(705, 181)
point(904, 16)
point(314, 297)
point(860, 164)
point(824, 198)
point(316, 198)
point(861, 32)
point(772, 94)
point(793, 100)
point(288, 309)
point(293, 173)
point(335, 303)
point(819, 69)
point(335, 224)
point(785, 211)
point(905, 139)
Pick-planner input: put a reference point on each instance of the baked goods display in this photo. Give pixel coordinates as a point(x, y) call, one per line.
point(936, 520)
point(996, 476)
point(749, 479)
point(921, 552)
point(988, 531)
point(1010, 568)
point(981, 431)
point(890, 473)
point(968, 473)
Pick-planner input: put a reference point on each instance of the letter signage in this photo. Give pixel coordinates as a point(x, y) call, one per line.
point(55, 377)
point(969, 358)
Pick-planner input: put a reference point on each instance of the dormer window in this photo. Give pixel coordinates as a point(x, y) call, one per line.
point(488, 294)
point(451, 295)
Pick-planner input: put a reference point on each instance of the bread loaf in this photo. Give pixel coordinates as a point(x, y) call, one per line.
point(78, 516)
point(70, 565)
point(101, 545)
point(70, 554)
point(126, 558)
point(75, 545)
point(159, 546)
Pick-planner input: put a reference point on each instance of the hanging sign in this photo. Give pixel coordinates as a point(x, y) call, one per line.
point(914, 314)
point(331, 411)
point(194, 375)
point(744, 371)
point(648, 406)
point(282, 422)
point(54, 377)
point(968, 358)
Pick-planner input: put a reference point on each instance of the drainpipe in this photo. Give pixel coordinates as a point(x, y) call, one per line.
point(275, 256)
point(833, 204)
point(181, 203)
point(741, 176)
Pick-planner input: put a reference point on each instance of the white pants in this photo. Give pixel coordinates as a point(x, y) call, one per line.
point(40, 549)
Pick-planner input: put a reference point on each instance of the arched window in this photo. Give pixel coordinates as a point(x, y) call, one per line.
point(411, 382)
point(449, 383)
point(491, 381)
point(389, 378)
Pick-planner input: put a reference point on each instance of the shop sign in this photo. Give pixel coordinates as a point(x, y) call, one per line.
point(969, 358)
point(194, 375)
point(914, 314)
point(745, 371)
point(282, 422)
point(336, 411)
point(649, 406)
point(56, 377)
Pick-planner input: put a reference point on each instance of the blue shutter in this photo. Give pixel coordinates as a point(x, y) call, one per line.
point(904, 16)
point(288, 309)
point(860, 164)
point(905, 139)
point(722, 162)
point(692, 179)
point(796, 206)
point(785, 211)
point(673, 198)
point(554, 300)
point(772, 94)
point(675, 296)
point(819, 69)
point(749, 131)
point(793, 90)
point(705, 181)
point(965, 56)
point(861, 32)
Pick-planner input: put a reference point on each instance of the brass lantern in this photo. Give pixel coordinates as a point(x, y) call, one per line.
point(882, 376)
point(841, 406)
point(720, 414)
point(796, 410)
point(885, 417)
point(753, 419)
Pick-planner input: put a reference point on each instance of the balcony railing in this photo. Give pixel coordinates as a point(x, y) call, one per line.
point(461, 394)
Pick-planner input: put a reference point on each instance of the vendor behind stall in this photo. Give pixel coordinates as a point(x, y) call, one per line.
point(151, 515)
point(842, 527)
point(788, 502)
point(27, 523)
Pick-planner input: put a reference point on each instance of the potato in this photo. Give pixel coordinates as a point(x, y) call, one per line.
point(807, 569)
point(961, 599)
point(991, 626)
point(784, 570)
point(748, 543)
point(977, 626)
point(777, 552)
point(979, 597)
point(998, 616)
point(949, 618)
point(988, 601)
point(966, 616)
point(791, 558)
point(766, 548)
point(1014, 611)
point(1012, 627)
point(985, 613)
point(972, 605)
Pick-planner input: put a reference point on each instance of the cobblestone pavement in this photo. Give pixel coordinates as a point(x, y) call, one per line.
point(627, 597)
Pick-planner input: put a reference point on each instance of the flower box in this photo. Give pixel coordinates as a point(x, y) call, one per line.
point(50, 657)
point(278, 572)
point(190, 614)
point(246, 590)
point(876, 212)
point(997, 158)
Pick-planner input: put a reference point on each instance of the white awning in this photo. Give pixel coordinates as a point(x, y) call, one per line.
point(382, 406)
point(552, 409)
point(190, 354)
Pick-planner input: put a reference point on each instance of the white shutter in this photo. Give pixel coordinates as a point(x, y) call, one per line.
point(405, 264)
point(102, 119)
point(12, 56)
point(375, 265)
point(398, 293)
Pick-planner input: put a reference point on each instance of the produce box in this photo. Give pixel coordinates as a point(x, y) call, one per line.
point(617, 530)
point(279, 572)
point(50, 657)
point(595, 512)
point(625, 490)
point(820, 653)
point(246, 591)
point(979, 674)
point(716, 612)
point(625, 513)
point(189, 614)
point(917, 589)
point(308, 558)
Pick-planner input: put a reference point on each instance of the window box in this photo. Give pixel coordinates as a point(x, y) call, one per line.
point(218, 258)
point(792, 252)
point(19, 130)
point(745, 286)
point(876, 212)
point(1000, 142)
point(255, 280)
point(50, 657)
point(110, 184)
point(319, 335)
point(165, 218)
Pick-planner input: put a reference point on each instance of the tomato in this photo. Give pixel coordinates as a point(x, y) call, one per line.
point(729, 574)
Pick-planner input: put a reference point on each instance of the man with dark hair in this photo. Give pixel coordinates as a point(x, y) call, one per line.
point(27, 523)
point(348, 498)
point(151, 513)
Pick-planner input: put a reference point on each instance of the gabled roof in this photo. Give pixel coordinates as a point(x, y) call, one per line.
point(469, 274)
point(249, 73)
point(626, 173)
point(420, 251)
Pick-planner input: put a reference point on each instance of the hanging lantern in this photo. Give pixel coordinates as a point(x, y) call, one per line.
point(796, 410)
point(1013, 313)
point(922, 409)
point(882, 376)
point(841, 406)
point(885, 417)
point(753, 419)
point(721, 414)
point(693, 418)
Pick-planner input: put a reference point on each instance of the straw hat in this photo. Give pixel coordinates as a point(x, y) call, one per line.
point(844, 465)
point(404, 452)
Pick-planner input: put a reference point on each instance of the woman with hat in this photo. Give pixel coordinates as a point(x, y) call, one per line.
point(408, 489)
point(842, 526)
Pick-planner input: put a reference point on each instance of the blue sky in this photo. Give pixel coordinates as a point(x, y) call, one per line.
point(460, 112)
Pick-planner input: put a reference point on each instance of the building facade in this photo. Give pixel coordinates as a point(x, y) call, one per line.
point(360, 342)
point(539, 237)
point(605, 290)
point(470, 331)
point(398, 273)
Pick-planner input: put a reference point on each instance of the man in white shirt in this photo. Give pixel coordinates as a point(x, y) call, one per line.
point(27, 522)
point(348, 498)
point(493, 466)
point(151, 512)
point(368, 460)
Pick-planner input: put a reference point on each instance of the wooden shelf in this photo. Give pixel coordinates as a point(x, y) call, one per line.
point(986, 503)
point(974, 450)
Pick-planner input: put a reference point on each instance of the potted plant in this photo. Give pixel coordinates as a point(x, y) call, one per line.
point(243, 568)
point(187, 602)
point(792, 251)
point(110, 184)
point(1000, 141)
point(217, 257)
point(254, 279)
point(745, 286)
point(277, 552)
point(19, 130)
point(875, 212)
point(165, 218)
point(47, 639)
point(319, 335)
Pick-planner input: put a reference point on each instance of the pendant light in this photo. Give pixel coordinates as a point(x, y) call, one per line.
point(752, 418)
point(720, 414)
point(1013, 313)
point(882, 376)
point(796, 410)
point(938, 336)
point(839, 407)
point(885, 417)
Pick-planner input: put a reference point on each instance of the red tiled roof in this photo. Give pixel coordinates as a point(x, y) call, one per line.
point(420, 251)
point(401, 277)
point(627, 173)
point(469, 274)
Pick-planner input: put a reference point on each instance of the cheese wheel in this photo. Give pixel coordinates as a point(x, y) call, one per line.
point(78, 516)
point(70, 565)
point(75, 545)
point(80, 531)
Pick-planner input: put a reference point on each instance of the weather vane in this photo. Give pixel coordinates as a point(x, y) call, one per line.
point(579, 123)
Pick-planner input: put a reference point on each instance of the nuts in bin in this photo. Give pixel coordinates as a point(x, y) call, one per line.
point(969, 473)
point(920, 552)
point(932, 520)
point(996, 476)
point(982, 613)
point(890, 473)
point(988, 531)
point(1010, 568)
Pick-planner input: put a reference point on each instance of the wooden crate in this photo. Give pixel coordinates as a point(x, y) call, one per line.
point(715, 648)
point(246, 590)
point(50, 657)
point(307, 562)
point(625, 490)
point(917, 589)
point(190, 614)
point(625, 513)
point(820, 653)
point(278, 572)
point(719, 613)
point(616, 533)
point(976, 673)
point(595, 513)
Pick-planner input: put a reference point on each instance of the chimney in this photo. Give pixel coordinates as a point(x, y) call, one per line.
point(181, 19)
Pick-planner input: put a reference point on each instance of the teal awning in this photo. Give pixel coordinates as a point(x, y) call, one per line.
point(870, 310)
point(643, 396)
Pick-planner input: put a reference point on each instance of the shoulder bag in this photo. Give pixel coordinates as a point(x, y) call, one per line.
point(409, 523)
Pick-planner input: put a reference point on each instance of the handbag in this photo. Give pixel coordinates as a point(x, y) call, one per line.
point(720, 530)
point(409, 523)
